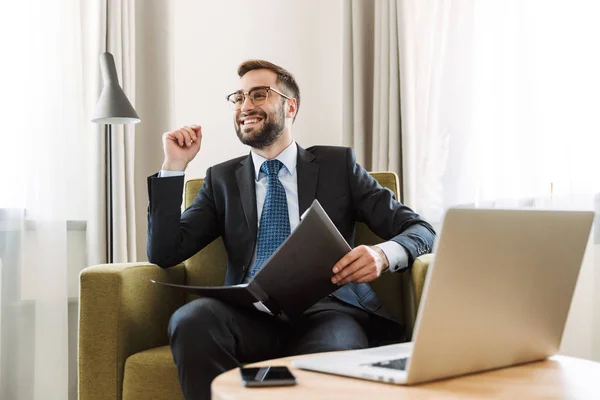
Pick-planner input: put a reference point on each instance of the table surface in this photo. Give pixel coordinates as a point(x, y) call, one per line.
point(559, 377)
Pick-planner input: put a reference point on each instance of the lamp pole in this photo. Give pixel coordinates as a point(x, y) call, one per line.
point(109, 193)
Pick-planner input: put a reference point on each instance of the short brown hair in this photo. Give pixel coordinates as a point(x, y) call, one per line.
point(284, 77)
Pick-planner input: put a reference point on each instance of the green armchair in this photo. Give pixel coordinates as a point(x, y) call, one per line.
point(123, 317)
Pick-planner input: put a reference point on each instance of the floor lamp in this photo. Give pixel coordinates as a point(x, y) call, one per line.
point(112, 108)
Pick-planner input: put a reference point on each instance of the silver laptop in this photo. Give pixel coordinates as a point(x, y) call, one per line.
point(497, 294)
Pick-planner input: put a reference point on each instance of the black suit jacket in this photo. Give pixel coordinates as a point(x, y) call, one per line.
point(226, 206)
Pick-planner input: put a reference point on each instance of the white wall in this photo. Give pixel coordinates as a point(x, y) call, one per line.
point(210, 39)
point(154, 100)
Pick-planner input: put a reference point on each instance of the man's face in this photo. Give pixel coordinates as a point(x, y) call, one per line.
point(260, 126)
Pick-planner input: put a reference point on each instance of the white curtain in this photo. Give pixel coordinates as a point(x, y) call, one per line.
point(43, 195)
point(426, 31)
point(500, 108)
point(499, 101)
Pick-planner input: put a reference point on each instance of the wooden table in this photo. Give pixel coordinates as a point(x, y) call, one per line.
point(559, 377)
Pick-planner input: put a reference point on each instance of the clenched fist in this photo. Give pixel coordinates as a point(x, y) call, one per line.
point(180, 147)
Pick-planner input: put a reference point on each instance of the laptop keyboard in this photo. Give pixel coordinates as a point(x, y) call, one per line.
point(399, 364)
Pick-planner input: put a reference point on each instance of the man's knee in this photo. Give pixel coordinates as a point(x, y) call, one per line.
point(196, 321)
point(341, 340)
point(331, 331)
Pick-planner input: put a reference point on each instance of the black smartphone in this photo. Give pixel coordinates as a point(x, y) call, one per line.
point(267, 376)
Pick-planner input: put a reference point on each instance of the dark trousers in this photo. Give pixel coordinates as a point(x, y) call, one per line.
point(209, 337)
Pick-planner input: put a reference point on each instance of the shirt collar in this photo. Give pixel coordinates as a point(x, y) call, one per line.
point(287, 157)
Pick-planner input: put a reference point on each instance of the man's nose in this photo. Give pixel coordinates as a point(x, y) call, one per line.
point(247, 105)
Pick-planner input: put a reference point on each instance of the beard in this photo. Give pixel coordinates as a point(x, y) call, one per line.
point(272, 129)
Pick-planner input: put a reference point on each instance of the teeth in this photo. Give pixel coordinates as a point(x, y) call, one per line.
point(251, 121)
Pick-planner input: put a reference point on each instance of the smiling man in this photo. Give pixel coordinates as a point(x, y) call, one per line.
point(254, 202)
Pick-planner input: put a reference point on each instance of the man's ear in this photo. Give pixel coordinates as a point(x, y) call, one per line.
point(292, 108)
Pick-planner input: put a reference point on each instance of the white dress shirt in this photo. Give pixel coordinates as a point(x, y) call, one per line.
point(288, 178)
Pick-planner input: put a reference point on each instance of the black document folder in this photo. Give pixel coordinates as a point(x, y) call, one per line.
point(296, 276)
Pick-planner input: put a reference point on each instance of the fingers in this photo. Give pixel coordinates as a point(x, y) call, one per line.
point(358, 265)
point(177, 137)
point(196, 133)
point(347, 260)
point(371, 276)
point(186, 135)
point(197, 130)
point(352, 272)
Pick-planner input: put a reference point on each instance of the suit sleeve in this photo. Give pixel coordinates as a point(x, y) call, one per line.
point(384, 215)
point(172, 236)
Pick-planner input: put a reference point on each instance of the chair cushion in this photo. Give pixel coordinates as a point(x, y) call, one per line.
point(151, 374)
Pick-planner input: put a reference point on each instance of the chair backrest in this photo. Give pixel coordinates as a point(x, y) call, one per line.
point(208, 266)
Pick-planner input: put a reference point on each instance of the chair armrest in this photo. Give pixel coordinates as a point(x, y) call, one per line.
point(419, 273)
point(121, 313)
point(414, 290)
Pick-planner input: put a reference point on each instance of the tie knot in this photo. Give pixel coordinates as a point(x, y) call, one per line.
point(271, 167)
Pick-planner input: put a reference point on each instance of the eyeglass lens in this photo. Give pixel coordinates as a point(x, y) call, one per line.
point(257, 96)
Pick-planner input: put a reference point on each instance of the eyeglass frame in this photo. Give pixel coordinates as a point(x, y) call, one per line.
point(246, 95)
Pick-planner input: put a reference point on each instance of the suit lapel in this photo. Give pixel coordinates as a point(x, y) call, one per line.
point(245, 177)
point(308, 174)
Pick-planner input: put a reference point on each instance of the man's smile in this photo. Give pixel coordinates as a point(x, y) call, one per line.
point(250, 121)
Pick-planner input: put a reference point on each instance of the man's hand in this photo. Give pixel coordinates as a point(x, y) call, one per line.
point(361, 264)
point(180, 147)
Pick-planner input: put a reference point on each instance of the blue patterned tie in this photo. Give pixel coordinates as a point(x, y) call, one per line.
point(274, 220)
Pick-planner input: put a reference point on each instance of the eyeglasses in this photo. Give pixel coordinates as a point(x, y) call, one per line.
point(257, 95)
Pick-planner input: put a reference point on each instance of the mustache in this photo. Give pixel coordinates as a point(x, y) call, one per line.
point(261, 114)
